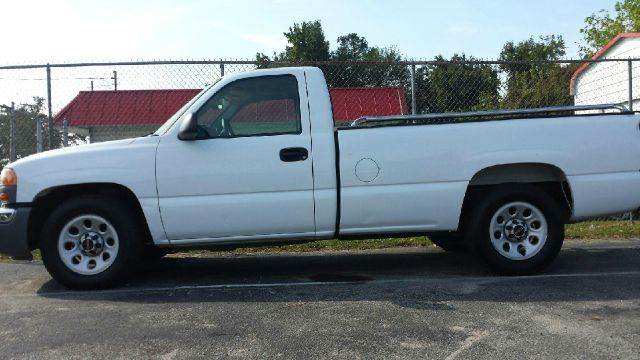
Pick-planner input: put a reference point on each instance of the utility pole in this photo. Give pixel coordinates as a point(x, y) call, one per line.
point(91, 85)
point(115, 80)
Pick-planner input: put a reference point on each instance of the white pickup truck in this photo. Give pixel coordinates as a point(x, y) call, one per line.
point(256, 158)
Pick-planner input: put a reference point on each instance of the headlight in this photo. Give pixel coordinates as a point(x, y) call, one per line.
point(8, 177)
point(8, 181)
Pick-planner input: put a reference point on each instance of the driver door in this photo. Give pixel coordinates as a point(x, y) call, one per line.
point(248, 174)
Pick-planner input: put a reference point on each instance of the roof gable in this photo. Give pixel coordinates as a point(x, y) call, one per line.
point(600, 53)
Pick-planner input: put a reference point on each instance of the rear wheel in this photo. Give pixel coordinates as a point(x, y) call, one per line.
point(90, 242)
point(517, 229)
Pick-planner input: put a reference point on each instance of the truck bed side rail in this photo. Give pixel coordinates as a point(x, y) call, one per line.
point(507, 114)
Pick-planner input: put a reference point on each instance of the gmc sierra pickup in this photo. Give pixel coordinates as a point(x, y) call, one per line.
point(256, 158)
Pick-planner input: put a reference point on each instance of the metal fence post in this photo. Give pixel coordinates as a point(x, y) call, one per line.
point(12, 134)
point(630, 65)
point(115, 80)
point(65, 132)
point(38, 135)
point(413, 89)
point(50, 116)
point(221, 69)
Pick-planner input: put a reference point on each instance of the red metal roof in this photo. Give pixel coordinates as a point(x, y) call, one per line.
point(599, 54)
point(154, 107)
point(124, 107)
point(351, 103)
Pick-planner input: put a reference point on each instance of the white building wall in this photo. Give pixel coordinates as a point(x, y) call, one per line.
point(608, 82)
point(107, 133)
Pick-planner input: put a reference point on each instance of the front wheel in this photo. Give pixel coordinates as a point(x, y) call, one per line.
point(516, 228)
point(90, 242)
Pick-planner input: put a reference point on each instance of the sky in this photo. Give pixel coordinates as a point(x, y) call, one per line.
point(64, 31)
point(70, 30)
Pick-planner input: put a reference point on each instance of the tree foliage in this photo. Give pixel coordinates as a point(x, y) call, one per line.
point(601, 26)
point(359, 65)
point(550, 47)
point(459, 83)
point(456, 84)
point(532, 82)
point(306, 42)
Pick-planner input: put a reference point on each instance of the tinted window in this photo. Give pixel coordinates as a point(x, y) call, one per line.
point(267, 105)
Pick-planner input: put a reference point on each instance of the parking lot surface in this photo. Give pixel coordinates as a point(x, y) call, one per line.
point(397, 303)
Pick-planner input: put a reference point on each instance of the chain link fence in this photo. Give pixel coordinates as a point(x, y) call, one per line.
point(48, 106)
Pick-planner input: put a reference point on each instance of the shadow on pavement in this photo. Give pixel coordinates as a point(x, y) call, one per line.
point(407, 277)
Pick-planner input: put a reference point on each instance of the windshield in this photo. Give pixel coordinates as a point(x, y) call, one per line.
point(169, 123)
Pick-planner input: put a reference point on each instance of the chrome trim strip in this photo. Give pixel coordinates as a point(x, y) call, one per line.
point(449, 115)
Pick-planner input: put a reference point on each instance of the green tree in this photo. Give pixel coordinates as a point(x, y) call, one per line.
point(546, 48)
point(532, 78)
point(351, 47)
point(456, 84)
point(359, 65)
point(306, 42)
point(601, 26)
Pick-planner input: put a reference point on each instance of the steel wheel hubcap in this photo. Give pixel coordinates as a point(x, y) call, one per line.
point(91, 243)
point(88, 244)
point(518, 230)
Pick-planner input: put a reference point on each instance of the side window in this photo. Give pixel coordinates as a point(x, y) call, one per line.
point(266, 105)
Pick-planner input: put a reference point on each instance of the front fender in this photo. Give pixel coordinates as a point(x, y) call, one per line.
point(128, 163)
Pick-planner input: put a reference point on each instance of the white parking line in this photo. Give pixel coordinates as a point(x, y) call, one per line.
point(326, 283)
point(467, 343)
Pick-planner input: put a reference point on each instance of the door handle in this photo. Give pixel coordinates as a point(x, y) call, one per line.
point(294, 154)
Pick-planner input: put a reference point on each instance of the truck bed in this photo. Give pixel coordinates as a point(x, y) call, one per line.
point(396, 177)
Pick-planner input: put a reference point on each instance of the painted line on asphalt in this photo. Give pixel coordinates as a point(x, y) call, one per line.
point(325, 283)
point(468, 343)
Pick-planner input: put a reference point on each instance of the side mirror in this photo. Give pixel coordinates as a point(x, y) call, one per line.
point(188, 128)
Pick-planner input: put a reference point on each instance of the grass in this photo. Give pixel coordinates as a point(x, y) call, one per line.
point(583, 230)
point(330, 245)
point(624, 229)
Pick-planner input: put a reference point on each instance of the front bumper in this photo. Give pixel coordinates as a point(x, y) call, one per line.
point(13, 232)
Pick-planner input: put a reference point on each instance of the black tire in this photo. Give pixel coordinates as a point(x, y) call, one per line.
point(128, 231)
point(449, 242)
point(488, 202)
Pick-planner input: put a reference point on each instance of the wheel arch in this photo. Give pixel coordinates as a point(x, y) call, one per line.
point(548, 177)
point(46, 200)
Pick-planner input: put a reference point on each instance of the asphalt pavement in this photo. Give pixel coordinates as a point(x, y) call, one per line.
point(396, 303)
